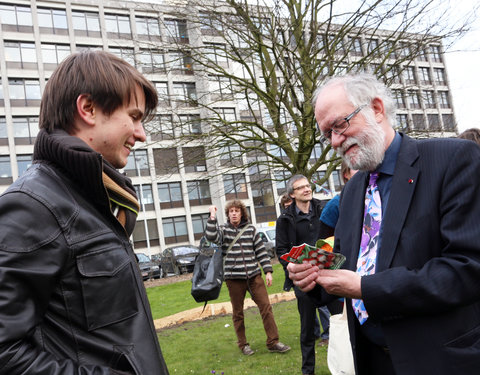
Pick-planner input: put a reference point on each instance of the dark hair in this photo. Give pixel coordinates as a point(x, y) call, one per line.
point(344, 170)
point(473, 134)
point(107, 79)
point(285, 199)
point(237, 204)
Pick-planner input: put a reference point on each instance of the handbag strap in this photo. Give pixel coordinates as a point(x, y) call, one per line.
point(236, 238)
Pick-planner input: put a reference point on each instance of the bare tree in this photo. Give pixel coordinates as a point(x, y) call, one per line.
point(268, 58)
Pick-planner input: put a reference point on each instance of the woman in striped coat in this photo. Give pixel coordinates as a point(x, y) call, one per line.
point(242, 271)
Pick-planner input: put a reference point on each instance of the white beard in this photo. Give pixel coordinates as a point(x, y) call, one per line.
point(370, 147)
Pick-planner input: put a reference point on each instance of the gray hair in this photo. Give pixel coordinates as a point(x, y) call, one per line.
point(362, 89)
point(292, 180)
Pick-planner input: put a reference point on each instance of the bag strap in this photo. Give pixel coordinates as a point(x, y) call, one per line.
point(236, 238)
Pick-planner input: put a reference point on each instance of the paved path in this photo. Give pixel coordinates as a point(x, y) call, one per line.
point(213, 309)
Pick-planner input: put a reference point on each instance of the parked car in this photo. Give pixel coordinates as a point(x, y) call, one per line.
point(149, 268)
point(178, 259)
point(268, 236)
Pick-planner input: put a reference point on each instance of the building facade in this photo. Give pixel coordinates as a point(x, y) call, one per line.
point(175, 183)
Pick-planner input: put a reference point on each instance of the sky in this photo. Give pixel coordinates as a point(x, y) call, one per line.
point(463, 69)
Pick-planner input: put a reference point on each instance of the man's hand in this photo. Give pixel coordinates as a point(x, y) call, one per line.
point(213, 212)
point(303, 275)
point(269, 278)
point(342, 283)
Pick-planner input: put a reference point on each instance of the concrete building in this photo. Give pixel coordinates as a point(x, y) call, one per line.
point(175, 187)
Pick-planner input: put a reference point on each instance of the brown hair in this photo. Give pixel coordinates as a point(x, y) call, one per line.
point(285, 199)
point(473, 134)
point(237, 204)
point(107, 79)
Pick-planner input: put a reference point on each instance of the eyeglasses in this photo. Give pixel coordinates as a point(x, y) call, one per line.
point(306, 186)
point(341, 127)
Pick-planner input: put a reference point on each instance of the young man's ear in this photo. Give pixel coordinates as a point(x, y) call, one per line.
point(86, 109)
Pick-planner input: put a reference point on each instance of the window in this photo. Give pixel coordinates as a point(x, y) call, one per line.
point(220, 87)
point(263, 201)
point(230, 156)
point(418, 122)
point(337, 181)
point(185, 93)
point(405, 51)
point(23, 163)
point(117, 26)
point(20, 55)
point(390, 50)
point(392, 74)
point(399, 98)
point(137, 162)
point(281, 178)
point(81, 48)
point(177, 30)
point(355, 47)
point(160, 128)
point(152, 61)
point(227, 114)
point(422, 56)
point(16, 18)
point(140, 238)
point(429, 99)
point(425, 75)
point(163, 94)
point(235, 186)
point(3, 132)
point(436, 53)
point(145, 196)
point(316, 152)
point(409, 75)
point(86, 24)
point(439, 76)
point(175, 230)
point(434, 122)
point(148, 28)
point(170, 195)
point(194, 159)
point(5, 171)
point(181, 63)
point(199, 192)
point(24, 92)
point(216, 53)
point(190, 124)
point(124, 53)
point(2, 95)
point(443, 99)
point(25, 130)
point(413, 99)
point(210, 24)
point(372, 46)
point(402, 122)
point(166, 161)
point(52, 21)
point(448, 122)
point(199, 223)
point(53, 54)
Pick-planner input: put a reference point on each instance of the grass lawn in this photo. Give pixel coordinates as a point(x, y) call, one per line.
point(209, 346)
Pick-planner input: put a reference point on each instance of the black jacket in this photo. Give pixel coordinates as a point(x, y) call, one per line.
point(72, 299)
point(286, 237)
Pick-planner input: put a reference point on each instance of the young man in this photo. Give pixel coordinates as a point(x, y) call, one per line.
point(408, 227)
point(242, 273)
point(72, 297)
point(298, 224)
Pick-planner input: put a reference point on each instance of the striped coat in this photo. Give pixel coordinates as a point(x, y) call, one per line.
point(242, 261)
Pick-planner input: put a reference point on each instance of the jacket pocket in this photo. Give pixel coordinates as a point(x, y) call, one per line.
point(108, 287)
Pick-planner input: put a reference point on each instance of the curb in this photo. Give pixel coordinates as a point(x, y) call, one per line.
point(213, 309)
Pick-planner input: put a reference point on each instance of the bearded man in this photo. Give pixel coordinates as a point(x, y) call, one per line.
point(408, 226)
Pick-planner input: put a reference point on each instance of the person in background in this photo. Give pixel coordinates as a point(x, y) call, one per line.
point(329, 217)
point(408, 227)
point(298, 224)
point(72, 299)
point(472, 134)
point(285, 201)
point(242, 272)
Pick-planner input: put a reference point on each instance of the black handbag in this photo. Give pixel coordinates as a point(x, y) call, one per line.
point(207, 277)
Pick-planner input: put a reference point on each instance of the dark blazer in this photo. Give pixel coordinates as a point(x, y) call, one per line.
point(426, 289)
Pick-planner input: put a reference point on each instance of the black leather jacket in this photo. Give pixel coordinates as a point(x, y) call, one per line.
point(72, 300)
